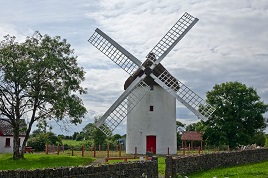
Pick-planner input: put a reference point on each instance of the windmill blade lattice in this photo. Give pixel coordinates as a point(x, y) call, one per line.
point(114, 51)
point(185, 95)
point(111, 119)
point(172, 37)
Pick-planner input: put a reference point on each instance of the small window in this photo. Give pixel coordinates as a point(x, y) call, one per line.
point(7, 142)
point(151, 108)
point(151, 87)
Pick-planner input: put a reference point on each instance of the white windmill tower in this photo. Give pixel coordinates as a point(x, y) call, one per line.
point(149, 99)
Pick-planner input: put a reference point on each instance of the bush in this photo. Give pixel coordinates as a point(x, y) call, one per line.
point(259, 139)
point(38, 142)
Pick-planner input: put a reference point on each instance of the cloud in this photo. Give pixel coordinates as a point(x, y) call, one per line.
point(229, 43)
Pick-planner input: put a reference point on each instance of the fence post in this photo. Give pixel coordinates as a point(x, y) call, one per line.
point(168, 150)
point(120, 147)
point(108, 150)
point(189, 148)
point(46, 148)
point(168, 172)
point(201, 145)
point(125, 159)
point(83, 150)
point(72, 150)
point(58, 149)
point(94, 151)
point(135, 155)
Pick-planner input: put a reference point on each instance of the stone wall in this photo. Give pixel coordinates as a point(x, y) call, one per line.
point(195, 163)
point(148, 169)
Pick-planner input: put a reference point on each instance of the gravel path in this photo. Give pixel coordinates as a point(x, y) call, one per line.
point(98, 161)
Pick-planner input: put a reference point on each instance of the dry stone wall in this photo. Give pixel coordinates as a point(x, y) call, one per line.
point(148, 169)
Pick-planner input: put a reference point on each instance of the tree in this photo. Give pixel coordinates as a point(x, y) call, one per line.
point(99, 137)
point(39, 140)
point(259, 139)
point(238, 116)
point(80, 136)
point(40, 80)
point(199, 126)
point(116, 137)
point(179, 126)
point(75, 135)
point(91, 131)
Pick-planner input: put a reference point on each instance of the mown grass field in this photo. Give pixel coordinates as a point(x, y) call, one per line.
point(258, 170)
point(74, 142)
point(41, 160)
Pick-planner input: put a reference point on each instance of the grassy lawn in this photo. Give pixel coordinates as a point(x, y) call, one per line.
point(161, 165)
point(74, 142)
point(38, 161)
point(259, 170)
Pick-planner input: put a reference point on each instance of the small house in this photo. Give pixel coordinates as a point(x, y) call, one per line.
point(6, 136)
point(191, 136)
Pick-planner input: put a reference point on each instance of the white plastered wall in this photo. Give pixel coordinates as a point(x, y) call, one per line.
point(8, 149)
point(160, 122)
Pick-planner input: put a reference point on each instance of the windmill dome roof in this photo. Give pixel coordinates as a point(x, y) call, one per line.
point(148, 80)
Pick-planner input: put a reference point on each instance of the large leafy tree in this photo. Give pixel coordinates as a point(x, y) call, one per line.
point(90, 131)
point(238, 117)
point(39, 79)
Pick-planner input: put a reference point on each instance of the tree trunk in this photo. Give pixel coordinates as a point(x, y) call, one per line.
point(17, 154)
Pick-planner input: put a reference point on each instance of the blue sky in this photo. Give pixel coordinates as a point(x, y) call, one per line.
point(229, 43)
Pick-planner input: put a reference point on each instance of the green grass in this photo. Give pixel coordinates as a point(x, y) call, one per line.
point(39, 161)
point(74, 142)
point(259, 170)
point(161, 165)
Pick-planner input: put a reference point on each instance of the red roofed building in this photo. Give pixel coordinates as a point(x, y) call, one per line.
point(191, 136)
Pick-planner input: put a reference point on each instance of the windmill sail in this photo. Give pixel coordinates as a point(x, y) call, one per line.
point(122, 106)
point(185, 95)
point(114, 51)
point(173, 36)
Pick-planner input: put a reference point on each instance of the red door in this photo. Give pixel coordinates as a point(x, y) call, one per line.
point(151, 143)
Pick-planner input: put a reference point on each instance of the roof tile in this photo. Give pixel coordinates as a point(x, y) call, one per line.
point(191, 135)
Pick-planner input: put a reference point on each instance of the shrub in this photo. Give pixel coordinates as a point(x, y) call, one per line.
point(38, 142)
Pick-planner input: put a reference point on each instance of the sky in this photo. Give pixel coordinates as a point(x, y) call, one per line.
point(229, 43)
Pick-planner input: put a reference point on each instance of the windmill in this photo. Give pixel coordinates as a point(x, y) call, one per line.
point(149, 99)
